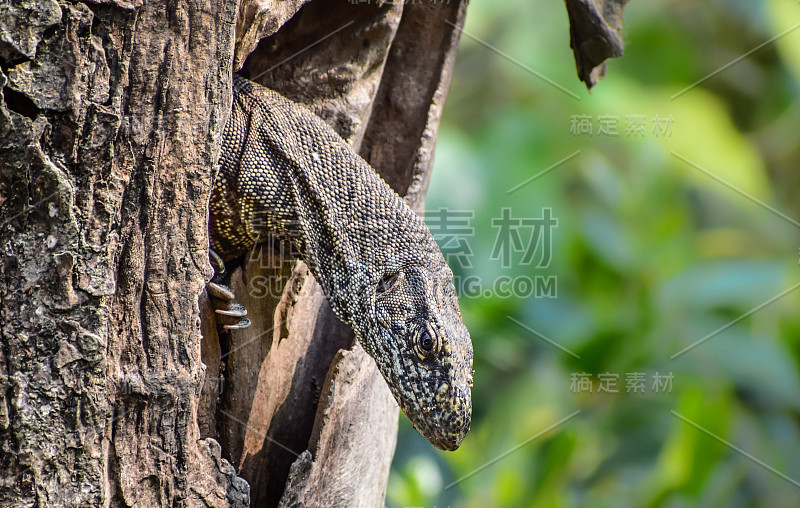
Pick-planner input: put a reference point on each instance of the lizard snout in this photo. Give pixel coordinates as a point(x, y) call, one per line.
point(447, 420)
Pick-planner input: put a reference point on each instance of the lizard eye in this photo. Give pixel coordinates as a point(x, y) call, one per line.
point(426, 343)
point(386, 284)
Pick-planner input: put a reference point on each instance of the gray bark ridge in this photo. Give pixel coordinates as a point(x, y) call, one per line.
point(109, 112)
point(595, 33)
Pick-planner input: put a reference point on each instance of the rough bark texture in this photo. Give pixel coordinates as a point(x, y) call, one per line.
point(595, 33)
point(110, 120)
point(109, 129)
point(378, 73)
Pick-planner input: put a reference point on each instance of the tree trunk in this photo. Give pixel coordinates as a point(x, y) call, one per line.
point(110, 122)
point(111, 119)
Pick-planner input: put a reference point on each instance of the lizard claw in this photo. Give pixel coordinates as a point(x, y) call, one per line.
point(241, 324)
point(230, 315)
point(219, 291)
point(216, 262)
point(233, 310)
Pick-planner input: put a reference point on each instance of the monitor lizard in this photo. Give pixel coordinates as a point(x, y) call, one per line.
point(284, 172)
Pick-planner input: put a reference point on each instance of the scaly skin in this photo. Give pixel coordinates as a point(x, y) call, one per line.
point(284, 172)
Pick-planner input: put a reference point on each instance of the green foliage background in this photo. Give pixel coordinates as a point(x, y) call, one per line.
point(651, 254)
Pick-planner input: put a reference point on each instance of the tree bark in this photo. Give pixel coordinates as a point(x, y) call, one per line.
point(110, 121)
point(595, 35)
point(110, 118)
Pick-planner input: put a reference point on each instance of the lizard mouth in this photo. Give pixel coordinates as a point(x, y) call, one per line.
point(446, 422)
point(450, 445)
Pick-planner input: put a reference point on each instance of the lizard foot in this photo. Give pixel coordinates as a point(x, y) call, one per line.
point(230, 315)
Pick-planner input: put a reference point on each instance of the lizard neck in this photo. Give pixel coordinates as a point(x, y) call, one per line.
point(285, 173)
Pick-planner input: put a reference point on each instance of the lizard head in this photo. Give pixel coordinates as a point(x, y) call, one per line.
point(424, 352)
